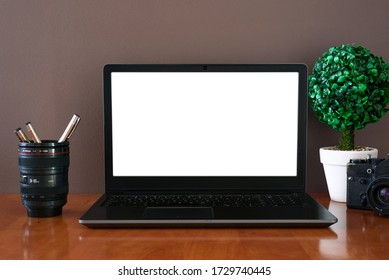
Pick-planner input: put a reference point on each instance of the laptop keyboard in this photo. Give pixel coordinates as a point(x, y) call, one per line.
point(275, 200)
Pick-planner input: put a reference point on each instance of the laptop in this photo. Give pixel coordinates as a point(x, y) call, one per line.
point(205, 146)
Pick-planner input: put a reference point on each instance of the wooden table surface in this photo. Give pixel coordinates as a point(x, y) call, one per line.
point(359, 234)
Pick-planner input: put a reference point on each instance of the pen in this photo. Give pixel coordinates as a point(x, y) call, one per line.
point(33, 133)
point(20, 134)
point(70, 128)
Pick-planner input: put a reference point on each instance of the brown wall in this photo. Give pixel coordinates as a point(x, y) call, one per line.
point(52, 54)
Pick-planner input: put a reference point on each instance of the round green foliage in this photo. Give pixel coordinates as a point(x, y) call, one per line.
point(349, 87)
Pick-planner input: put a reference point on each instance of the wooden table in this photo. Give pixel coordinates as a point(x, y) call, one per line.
point(359, 234)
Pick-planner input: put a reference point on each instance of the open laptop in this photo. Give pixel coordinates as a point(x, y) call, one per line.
point(205, 146)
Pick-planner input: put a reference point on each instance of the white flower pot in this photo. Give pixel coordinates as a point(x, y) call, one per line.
point(335, 169)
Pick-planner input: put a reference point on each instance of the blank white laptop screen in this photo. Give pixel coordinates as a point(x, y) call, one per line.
point(204, 123)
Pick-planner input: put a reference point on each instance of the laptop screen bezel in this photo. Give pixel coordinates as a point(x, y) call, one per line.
point(206, 183)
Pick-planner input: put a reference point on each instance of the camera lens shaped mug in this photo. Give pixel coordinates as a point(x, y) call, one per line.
point(44, 177)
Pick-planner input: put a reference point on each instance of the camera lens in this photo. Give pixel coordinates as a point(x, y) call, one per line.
point(378, 195)
point(383, 194)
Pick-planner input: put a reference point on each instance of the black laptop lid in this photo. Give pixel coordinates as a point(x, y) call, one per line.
point(205, 127)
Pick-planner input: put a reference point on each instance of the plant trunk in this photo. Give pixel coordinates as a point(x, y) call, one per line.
point(346, 142)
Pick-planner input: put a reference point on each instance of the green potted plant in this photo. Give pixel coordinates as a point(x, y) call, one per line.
point(348, 88)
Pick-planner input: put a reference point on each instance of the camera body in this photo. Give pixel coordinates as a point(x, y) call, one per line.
point(368, 184)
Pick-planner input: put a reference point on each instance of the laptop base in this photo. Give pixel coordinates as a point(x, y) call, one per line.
point(312, 216)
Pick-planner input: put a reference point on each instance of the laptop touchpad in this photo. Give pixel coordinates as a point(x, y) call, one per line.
point(170, 213)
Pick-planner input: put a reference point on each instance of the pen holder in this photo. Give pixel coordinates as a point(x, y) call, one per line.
point(43, 171)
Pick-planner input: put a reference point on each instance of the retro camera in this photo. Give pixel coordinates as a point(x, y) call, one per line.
point(368, 184)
